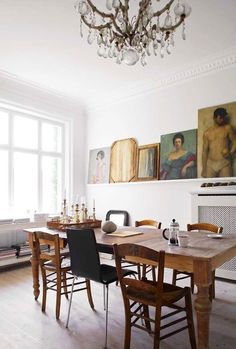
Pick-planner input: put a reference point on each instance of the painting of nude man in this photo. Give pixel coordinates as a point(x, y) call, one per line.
point(217, 141)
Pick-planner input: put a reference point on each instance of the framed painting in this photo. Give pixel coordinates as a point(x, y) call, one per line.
point(217, 141)
point(123, 160)
point(148, 162)
point(99, 165)
point(178, 158)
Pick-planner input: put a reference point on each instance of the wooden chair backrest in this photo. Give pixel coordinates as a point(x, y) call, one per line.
point(141, 255)
point(205, 226)
point(55, 244)
point(150, 222)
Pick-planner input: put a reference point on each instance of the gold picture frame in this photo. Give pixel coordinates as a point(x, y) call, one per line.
point(123, 160)
point(148, 161)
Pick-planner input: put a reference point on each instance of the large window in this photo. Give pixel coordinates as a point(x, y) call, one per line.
point(32, 157)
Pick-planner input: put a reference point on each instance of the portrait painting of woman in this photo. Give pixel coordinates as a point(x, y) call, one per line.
point(99, 163)
point(178, 155)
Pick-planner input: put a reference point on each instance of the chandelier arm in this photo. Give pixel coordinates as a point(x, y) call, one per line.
point(102, 26)
point(93, 26)
point(106, 15)
point(124, 9)
point(113, 18)
point(173, 27)
point(95, 9)
point(165, 8)
point(116, 35)
point(145, 5)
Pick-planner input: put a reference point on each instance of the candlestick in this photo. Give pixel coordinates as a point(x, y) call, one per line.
point(85, 214)
point(76, 216)
point(82, 214)
point(94, 215)
point(72, 211)
point(64, 211)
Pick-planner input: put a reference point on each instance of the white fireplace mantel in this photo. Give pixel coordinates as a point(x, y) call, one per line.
point(212, 196)
point(217, 205)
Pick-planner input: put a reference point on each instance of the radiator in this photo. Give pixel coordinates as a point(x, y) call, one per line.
point(217, 207)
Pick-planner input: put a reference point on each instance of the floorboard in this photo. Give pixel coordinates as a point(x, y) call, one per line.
point(24, 326)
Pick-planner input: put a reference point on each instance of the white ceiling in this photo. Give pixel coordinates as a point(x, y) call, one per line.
point(40, 43)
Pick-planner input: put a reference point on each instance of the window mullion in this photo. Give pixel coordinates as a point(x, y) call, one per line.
point(40, 174)
point(10, 161)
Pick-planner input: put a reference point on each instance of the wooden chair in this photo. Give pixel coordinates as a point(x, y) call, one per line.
point(140, 294)
point(147, 223)
point(208, 228)
point(56, 269)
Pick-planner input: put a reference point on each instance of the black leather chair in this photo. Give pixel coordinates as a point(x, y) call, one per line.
point(119, 217)
point(85, 263)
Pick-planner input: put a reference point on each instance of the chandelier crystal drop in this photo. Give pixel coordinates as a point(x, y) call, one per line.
point(131, 32)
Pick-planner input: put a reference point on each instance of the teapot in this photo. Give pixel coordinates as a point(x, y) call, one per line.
point(173, 233)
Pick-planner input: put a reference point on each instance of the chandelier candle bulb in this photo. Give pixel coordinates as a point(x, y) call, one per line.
point(129, 28)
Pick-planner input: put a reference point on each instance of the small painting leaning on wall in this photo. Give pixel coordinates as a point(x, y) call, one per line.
point(217, 141)
point(148, 162)
point(123, 160)
point(99, 165)
point(178, 155)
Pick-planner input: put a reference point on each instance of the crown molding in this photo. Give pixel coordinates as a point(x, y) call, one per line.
point(21, 89)
point(207, 66)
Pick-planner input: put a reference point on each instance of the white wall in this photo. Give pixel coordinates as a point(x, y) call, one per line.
point(146, 118)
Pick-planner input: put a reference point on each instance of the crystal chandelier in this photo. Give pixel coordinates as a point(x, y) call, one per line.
point(129, 37)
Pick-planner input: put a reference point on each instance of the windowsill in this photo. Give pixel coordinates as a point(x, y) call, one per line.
point(16, 226)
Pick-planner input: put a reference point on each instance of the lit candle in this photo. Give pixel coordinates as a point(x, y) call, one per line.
point(94, 204)
point(65, 193)
point(77, 199)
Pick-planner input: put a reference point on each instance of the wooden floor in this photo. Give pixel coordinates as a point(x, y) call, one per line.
point(24, 326)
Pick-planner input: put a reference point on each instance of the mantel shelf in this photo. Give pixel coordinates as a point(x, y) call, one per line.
point(173, 181)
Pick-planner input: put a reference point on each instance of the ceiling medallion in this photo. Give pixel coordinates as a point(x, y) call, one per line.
point(129, 33)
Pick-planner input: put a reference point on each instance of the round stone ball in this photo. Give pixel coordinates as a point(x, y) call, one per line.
point(109, 227)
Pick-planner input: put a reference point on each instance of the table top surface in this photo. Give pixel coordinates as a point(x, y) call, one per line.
point(200, 244)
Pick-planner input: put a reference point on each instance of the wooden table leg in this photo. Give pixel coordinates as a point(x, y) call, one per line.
point(35, 268)
point(202, 278)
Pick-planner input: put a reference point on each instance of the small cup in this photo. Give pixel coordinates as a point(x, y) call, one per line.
point(183, 240)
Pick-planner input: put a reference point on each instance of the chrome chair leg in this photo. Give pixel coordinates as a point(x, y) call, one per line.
point(71, 295)
point(104, 298)
point(106, 308)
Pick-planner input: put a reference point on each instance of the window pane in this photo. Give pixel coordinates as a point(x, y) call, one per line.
point(25, 133)
point(25, 183)
point(51, 137)
point(3, 127)
point(51, 170)
point(4, 204)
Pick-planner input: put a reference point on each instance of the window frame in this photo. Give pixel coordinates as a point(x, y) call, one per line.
point(63, 155)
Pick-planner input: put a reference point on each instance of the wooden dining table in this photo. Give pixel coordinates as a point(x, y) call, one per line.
point(203, 255)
